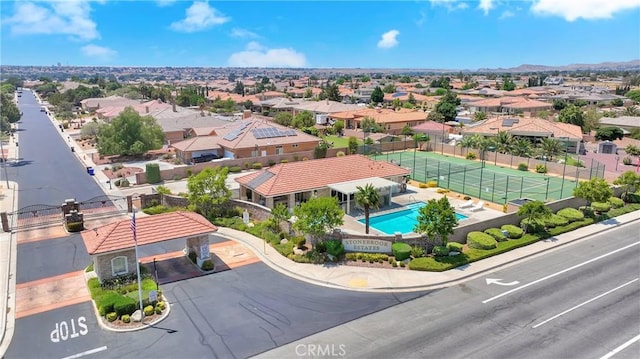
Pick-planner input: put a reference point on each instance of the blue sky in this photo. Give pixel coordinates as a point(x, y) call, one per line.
point(445, 34)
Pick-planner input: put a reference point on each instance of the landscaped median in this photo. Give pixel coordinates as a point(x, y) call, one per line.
point(117, 301)
point(469, 254)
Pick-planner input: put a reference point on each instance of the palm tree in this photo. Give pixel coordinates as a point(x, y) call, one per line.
point(522, 147)
point(550, 147)
point(367, 197)
point(503, 142)
point(631, 111)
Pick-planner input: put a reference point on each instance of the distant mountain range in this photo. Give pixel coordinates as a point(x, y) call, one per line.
point(633, 65)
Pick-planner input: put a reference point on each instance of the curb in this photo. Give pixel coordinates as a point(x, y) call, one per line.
point(7, 317)
point(438, 285)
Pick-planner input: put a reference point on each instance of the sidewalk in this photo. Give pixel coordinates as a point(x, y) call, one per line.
point(405, 280)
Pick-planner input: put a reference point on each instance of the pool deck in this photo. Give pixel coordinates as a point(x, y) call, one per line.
point(415, 194)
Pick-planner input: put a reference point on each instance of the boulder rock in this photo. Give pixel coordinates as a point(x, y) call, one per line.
point(136, 316)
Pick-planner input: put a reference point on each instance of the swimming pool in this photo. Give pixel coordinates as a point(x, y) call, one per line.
point(401, 221)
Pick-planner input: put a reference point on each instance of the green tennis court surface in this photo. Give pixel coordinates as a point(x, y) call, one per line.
point(481, 179)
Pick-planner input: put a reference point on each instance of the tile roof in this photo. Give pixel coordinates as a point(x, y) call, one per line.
point(431, 126)
point(246, 138)
point(300, 176)
point(526, 126)
point(150, 229)
point(382, 115)
point(199, 143)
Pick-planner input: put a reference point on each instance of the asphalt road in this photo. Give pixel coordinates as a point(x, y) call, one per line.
point(580, 301)
point(232, 314)
point(47, 171)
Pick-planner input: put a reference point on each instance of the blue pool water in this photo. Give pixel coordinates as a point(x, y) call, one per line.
point(401, 221)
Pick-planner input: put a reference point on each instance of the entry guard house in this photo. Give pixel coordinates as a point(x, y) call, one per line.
point(112, 247)
point(296, 182)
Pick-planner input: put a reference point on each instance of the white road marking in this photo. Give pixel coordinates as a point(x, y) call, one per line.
point(584, 303)
point(499, 282)
point(560, 272)
point(620, 348)
point(88, 352)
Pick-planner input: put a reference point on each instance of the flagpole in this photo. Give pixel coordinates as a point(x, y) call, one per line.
point(135, 239)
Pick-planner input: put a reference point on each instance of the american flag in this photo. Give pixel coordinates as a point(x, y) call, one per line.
point(133, 226)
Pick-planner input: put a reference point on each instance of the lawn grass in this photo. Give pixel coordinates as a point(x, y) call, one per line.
point(339, 142)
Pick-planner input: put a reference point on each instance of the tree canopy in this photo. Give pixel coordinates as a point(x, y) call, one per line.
point(594, 190)
point(630, 181)
point(436, 220)
point(633, 95)
point(572, 114)
point(130, 134)
point(534, 211)
point(208, 190)
point(369, 198)
point(318, 215)
point(447, 106)
point(377, 96)
point(609, 133)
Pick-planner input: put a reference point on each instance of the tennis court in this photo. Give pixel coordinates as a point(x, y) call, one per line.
point(481, 179)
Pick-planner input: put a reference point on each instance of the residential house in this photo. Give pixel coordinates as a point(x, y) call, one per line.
point(509, 105)
point(626, 123)
point(392, 121)
point(91, 104)
point(529, 127)
point(296, 182)
point(248, 138)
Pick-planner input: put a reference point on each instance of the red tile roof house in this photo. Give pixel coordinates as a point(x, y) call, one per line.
point(392, 121)
point(249, 138)
point(112, 247)
point(510, 105)
point(434, 130)
point(530, 127)
point(296, 182)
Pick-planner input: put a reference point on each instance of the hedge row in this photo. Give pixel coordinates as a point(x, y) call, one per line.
point(515, 232)
point(480, 240)
point(571, 214)
point(496, 233)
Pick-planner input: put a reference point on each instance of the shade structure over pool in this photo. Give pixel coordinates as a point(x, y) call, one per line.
point(350, 187)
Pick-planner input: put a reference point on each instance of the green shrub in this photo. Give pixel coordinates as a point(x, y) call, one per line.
point(161, 305)
point(620, 211)
point(153, 173)
point(455, 247)
point(626, 161)
point(496, 233)
point(417, 251)
point(571, 214)
point(124, 305)
point(89, 268)
point(401, 250)
point(480, 240)
point(158, 310)
point(106, 301)
point(541, 169)
point(570, 227)
point(126, 318)
point(321, 247)
point(601, 206)
point(440, 251)
point(256, 165)
point(394, 264)
point(149, 310)
point(207, 265)
point(615, 202)
point(588, 211)
point(515, 232)
point(334, 247)
point(285, 249)
point(555, 220)
point(471, 156)
point(532, 226)
point(112, 316)
point(235, 169)
point(402, 264)
point(160, 209)
point(632, 197)
point(523, 167)
point(75, 226)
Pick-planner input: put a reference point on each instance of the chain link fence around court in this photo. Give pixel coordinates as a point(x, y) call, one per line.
point(488, 181)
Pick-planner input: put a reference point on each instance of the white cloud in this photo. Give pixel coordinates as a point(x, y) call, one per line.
point(256, 55)
point(506, 14)
point(388, 39)
point(572, 10)
point(450, 5)
point(486, 6)
point(243, 33)
point(199, 16)
point(99, 52)
point(54, 17)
